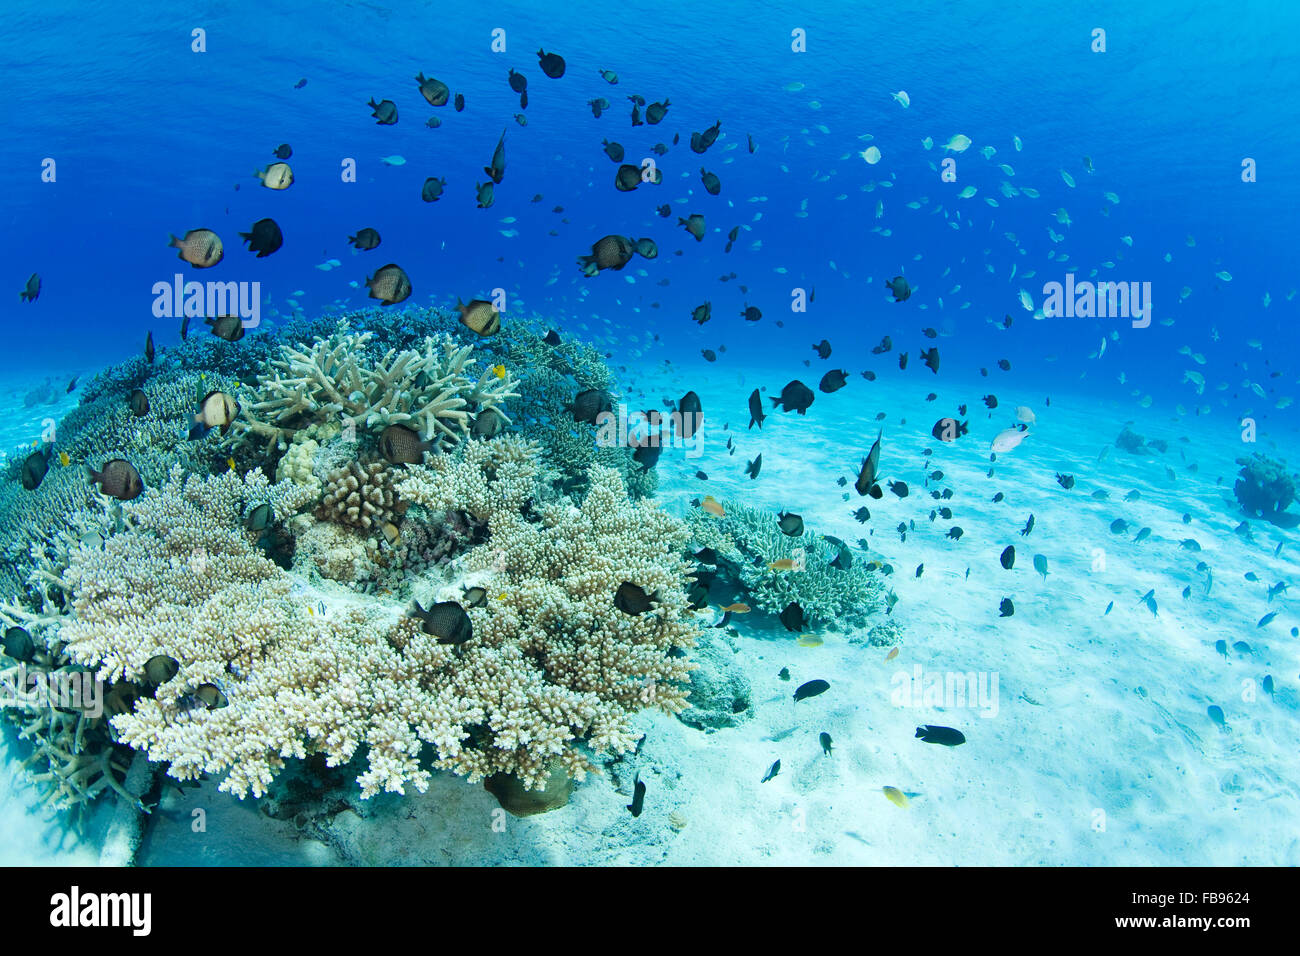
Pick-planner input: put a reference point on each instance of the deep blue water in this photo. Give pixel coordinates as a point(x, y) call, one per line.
point(151, 138)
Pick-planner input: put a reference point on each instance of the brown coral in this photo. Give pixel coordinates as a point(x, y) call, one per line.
point(360, 495)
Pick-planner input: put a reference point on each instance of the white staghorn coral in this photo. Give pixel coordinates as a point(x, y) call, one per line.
point(335, 379)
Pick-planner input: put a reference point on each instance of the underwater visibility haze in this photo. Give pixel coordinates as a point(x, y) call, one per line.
point(711, 433)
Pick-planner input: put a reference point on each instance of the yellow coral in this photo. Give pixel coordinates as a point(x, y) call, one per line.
point(296, 465)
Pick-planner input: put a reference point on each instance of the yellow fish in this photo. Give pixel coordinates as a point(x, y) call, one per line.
point(499, 371)
point(891, 655)
point(784, 564)
point(896, 796)
point(809, 640)
point(311, 610)
point(712, 506)
point(64, 460)
point(231, 463)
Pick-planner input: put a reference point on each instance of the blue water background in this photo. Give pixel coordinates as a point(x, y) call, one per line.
point(151, 138)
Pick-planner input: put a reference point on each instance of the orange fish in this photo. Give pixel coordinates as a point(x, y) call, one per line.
point(737, 608)
point(784, 564)
point(892, 654)
point(712, 506)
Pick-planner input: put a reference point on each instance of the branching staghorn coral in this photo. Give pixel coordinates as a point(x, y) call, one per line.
point(553, 672)
point(25, 516)
point(338, 379)
point(73, 757)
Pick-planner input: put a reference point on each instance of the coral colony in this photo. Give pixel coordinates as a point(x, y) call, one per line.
point(364, 542)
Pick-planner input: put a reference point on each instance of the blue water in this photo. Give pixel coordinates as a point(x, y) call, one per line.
point(151, 138)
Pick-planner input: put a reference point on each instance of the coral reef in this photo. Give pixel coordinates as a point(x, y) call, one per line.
point(1264, 486)
point(341, 379)
point(302, 622)
point(26, 515)
point(554, 568)
point(555, 374)
point(748, 539)
point(73, 754)
point(1130, 441)
point(553, 673)
point(100, 428)
point(298, 464)
point(73, 757)
point(336, 553)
